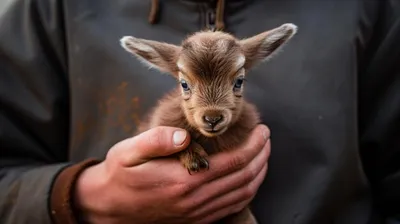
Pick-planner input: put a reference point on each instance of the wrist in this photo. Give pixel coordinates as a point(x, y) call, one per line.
point(61, 192)
point(86, 199)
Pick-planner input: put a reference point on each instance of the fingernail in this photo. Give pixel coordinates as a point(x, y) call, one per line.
point(179, 137)
point(265, 135)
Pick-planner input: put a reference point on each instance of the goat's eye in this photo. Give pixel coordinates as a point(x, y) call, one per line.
point(184, 85)
point(238, 83)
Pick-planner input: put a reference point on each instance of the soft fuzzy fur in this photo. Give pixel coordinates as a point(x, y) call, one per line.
point(209, 63)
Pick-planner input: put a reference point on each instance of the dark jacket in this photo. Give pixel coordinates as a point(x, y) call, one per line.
point(68, 92)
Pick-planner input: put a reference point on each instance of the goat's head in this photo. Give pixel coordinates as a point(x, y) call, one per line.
point(210, 68)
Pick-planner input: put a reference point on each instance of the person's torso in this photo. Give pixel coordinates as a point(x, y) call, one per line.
point(306, 94)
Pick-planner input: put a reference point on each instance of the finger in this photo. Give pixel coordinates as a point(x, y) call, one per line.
point(223, 185)
point(186, 183)
point(156, 142)
point(225, 163)
point(231, 199)
point(226, 206)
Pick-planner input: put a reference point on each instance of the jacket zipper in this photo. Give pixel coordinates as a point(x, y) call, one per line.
point(210, 19)
point(209, 14)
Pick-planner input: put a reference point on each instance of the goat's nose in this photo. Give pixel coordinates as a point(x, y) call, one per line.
point(212, 119)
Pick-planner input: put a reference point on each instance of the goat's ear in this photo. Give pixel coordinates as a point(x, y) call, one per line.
point(159, 55)
point(261, 47)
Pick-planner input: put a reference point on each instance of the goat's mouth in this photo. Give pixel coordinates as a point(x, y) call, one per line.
point(212, 132)
point(212, 122)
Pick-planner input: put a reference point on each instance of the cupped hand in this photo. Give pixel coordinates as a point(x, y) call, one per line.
point(136, 183)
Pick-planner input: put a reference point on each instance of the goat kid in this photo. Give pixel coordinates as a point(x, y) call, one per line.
point(210, 68)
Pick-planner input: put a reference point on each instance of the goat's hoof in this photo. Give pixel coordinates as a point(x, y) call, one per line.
point(197, 164)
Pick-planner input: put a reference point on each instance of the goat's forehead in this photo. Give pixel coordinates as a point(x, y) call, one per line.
point(208, 55)
point(210, 47)
point(211, 69)
point(211, 42)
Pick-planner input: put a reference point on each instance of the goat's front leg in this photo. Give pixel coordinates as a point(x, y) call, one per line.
point(193, 158)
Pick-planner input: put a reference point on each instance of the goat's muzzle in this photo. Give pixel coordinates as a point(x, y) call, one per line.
point(214, 122)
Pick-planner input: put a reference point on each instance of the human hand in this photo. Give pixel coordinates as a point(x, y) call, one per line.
point(133, 184)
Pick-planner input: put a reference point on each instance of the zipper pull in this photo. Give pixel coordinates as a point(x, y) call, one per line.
point(210, 19)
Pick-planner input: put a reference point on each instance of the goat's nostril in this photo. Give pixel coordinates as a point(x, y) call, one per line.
point(212, 119)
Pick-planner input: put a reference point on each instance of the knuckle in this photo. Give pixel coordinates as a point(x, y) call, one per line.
point(238, 161)
point(183, 189)
point(237, 209)
point(267, 131)
point(256, 182)
point(259, 143)
point(248, 192)
point(259, 140)
point(182, 209)
point(248, 175)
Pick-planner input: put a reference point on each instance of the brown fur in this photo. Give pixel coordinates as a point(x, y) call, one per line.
point(209, 63)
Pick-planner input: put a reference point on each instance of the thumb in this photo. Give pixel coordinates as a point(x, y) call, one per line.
point(156, 142)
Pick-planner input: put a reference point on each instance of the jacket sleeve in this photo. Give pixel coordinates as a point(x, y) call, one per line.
point(33, 112)
point(379, 111)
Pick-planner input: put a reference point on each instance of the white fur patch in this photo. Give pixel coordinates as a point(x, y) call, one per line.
point(290, 26)
point(129, 42)
point(180, 65)
point(222, 45)
point(281, 31)
point(240, 61)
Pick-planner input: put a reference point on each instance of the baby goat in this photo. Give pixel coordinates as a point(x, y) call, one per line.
point(210, 68)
